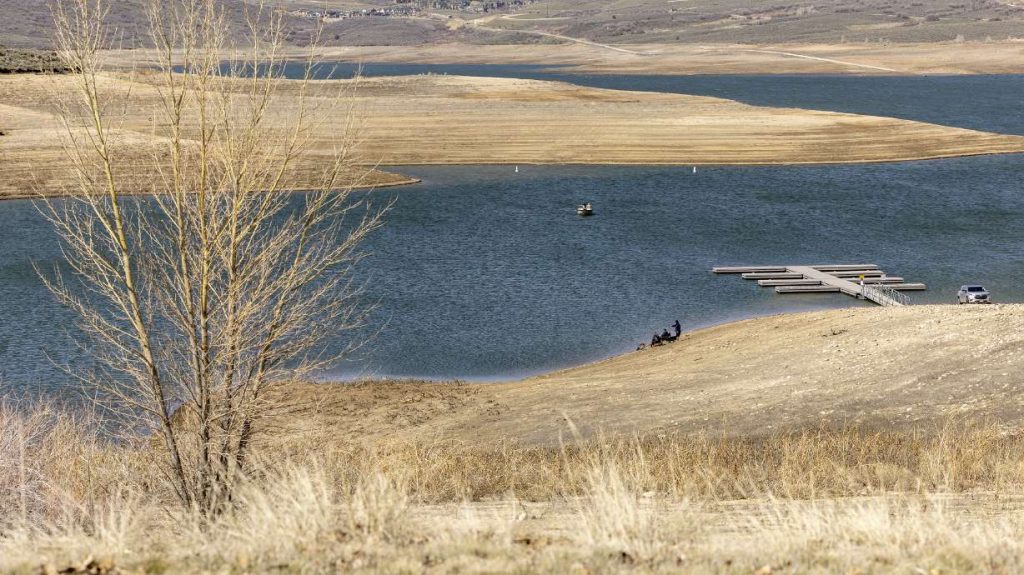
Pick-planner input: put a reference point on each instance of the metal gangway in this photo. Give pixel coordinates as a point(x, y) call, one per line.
point(884, 295)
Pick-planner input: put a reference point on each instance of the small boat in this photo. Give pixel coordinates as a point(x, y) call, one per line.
point(585, 209)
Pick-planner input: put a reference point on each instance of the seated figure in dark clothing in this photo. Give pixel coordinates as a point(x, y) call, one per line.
point(656, 340)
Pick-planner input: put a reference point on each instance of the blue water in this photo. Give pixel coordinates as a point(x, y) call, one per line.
point(481, 273)
point(491, 274)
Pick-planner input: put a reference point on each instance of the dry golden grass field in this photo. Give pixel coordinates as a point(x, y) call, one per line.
point(463, 120)
point(850, 441)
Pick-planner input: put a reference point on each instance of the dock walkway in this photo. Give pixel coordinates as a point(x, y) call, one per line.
point(863, 281)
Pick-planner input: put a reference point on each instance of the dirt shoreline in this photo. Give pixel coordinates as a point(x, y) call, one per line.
point(853, 58)
point(916, 367)
point(940, 58)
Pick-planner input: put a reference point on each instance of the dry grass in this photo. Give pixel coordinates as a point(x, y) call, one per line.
point(818, 501)
point(808, 465)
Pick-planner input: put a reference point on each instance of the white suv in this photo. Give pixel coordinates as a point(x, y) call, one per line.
point(973, 294)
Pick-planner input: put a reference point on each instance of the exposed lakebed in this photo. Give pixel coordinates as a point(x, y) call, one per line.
point(484, 273)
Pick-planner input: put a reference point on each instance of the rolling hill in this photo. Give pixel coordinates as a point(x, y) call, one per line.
point(768, 21)
point(27, 23)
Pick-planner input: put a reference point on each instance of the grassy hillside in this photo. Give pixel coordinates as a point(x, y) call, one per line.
point(27, 23)
point(328, 496)
point(746, 21)
point(765, 21)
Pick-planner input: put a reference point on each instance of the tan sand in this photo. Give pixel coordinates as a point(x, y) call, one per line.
point(918, 366)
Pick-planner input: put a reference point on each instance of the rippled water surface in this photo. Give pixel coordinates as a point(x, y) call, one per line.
point(482, 273)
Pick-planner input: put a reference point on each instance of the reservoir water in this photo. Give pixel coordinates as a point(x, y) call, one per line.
point(483, 273)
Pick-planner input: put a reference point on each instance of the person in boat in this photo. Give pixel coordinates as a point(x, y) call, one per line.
point(679, 328)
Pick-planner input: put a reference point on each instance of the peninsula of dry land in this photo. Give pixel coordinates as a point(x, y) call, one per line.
point(466, 120)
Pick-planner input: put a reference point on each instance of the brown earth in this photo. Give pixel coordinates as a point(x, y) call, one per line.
point(916, 367)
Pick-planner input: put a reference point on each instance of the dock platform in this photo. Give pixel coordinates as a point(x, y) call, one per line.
point(863, 281)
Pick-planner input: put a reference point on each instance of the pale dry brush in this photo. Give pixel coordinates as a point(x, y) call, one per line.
point(814, 463)
point(599, 506)
point(57, 464)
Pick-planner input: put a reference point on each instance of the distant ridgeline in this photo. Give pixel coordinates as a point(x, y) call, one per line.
point(14, 61)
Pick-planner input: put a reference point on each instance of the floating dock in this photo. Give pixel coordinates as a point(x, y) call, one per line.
point(863, 281)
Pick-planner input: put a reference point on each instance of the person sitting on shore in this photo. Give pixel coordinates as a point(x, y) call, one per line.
point(656, 340)
point(679, 328)
point(666, 336)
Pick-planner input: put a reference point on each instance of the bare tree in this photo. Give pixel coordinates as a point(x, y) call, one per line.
point(216, 286)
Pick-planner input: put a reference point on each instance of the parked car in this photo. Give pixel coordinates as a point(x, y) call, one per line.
point(973, 294)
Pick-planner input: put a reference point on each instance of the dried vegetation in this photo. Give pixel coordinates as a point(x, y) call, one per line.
point(818, 501)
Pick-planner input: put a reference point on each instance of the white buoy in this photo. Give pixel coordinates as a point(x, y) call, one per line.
point(695, 169)
point(517, 169)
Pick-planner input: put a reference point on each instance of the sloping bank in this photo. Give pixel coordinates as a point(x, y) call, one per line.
point(917, 367)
